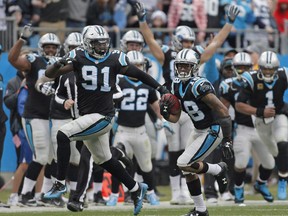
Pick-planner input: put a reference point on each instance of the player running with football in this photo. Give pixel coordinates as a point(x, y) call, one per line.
point(183, 37)
point(199, 101)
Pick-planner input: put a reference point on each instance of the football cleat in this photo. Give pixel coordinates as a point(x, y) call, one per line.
point(138, 197)
point(221, 177)
point(113, 199)
point(264, 191)
point(239, 194)
point(75, 206)
point(98, 199)
point(194, 212)
point(282, 193)
point(152, 199)
point(56, 191)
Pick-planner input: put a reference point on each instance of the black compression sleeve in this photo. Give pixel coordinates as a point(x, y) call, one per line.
point(133, 71)
point(226, 126)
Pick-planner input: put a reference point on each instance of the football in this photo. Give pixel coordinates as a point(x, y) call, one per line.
point(173, 102)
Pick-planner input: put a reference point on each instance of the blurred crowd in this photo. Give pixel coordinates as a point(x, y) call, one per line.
point(268, 16)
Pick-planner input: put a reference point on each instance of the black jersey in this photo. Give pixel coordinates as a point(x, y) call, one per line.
point(190, 94)
point(229, 90)
point(95, 80)
point(37, 104)
point(168, 66)
point(133, 107)
point(261, 94)
point(65, 89)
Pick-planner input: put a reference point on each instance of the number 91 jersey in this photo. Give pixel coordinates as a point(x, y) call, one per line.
point(190, 94)
point(95, 80)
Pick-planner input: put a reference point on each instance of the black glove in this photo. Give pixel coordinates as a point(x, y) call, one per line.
point(164, 109)
point(62, 62)
point(227, 150)
point(232, 13)
point(140, 11)
point(162, 90)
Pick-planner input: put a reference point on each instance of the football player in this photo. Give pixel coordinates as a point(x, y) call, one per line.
point(131, 131)
point(96, 68)
point(246, 137)
point(264, 94)
point(183, 37)
point(198, 100)
point(36, 113)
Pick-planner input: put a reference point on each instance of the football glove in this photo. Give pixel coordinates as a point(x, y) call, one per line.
point(227, 150)
point(62, 62)
point(46, 88)
point(140, 11)
point(27, 31)
point(232, 13)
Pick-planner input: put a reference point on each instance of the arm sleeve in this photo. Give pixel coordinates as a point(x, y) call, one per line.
point(133, 71)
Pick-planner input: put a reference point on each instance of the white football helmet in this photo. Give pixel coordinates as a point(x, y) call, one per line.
point(46, 39)
point(137, 58)
point(268, 65)
point(73, 39)
point(180, 34)
point(131, 36)
point(96, 41)
point(186, 64)
point(242, 62)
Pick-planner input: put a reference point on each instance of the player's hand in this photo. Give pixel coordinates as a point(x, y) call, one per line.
point(269, 112)
point(227, 150)
point(232, 13)
point(162, 90)
point(26, 32)
point(68, 104)
point(62, 62)
point(46, 88)
point(140, 11)
point(164, 108)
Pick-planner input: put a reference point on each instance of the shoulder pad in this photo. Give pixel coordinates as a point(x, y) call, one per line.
point(248, 77)
point(31, 57)
point(224, 86)
point(201, 86)
point(122, 57)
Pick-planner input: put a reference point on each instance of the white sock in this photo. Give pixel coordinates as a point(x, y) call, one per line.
point(47, 185)
point(73, 185)
point(28, 185)
point(175, 185)
point(199, 203)
point(135, 188)
point(213, 169)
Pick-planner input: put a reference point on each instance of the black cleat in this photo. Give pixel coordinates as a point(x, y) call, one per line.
point(221, 177)
point(75, 206)
point(194, 212)
point(98, 199)
point(27, 200)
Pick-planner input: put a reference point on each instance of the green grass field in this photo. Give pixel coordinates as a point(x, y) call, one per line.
point(253, 208)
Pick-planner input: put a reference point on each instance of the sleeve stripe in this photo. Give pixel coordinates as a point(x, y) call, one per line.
point(194, 88)
point(247, 76)
point(122, 59)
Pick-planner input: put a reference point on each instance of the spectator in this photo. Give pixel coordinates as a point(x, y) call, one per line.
point(77, 13)
point(159, 20)
point(281, 17)
point(53, 16)
point(254, 50)
point(101, 12)
point(29, 14)
point(182, 12)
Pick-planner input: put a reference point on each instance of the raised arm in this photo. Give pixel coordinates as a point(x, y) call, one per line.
point(219, 39)
point(148, 34)
point(60, 67)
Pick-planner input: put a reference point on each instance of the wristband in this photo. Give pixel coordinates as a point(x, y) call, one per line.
point(260, 112)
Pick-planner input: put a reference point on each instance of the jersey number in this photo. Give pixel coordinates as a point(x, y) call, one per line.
point(193, 111)
point(134, 99)
point(90, 75)
point(269, 96)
